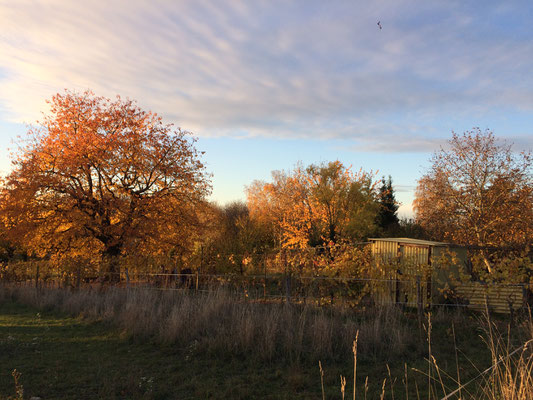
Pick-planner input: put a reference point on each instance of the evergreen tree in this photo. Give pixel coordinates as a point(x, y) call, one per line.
point(387, 219)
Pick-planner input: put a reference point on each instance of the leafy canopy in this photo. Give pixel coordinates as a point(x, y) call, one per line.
point(101, 176)
point(478, 192)
point(315, 205)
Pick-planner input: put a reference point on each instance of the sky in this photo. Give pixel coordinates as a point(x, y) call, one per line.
point(264, 85)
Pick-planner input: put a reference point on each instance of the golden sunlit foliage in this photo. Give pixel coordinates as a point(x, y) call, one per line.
point(100, 178)
point(236, 242)
point(478, 193)
point(315, 205)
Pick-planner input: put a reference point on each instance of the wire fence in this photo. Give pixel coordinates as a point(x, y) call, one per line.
point(417, 292)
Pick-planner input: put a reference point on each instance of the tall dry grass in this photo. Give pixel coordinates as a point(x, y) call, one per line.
point(221, 321)
point(511, 375)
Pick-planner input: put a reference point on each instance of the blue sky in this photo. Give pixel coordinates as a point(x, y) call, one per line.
point(265, 84)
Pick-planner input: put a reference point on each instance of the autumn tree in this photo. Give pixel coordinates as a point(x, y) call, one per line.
point(315, 205)
point(343, 201)
point(410, 228)
point(282, 207)
point(239, 229)
point(478, 192)
point(100, 176)
point(236, 240)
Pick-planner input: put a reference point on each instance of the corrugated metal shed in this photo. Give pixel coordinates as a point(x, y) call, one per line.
point(410, 241)
point(415, 253)
point(500, 299)
point(421, 270)
point(412, 268)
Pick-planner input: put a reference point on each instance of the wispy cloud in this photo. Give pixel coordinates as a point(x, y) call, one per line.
point(404, 188)
point(276, 69)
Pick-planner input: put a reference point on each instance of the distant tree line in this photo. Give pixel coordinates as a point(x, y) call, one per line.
point(99, 180)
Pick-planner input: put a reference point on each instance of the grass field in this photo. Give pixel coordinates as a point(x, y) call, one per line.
point(62, 355)
point(68, 358)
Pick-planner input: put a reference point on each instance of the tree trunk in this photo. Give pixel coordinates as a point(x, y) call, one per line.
point(486, 261)
point(111, 257)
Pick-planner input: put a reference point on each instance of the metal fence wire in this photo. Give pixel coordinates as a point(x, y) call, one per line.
point(418, 292)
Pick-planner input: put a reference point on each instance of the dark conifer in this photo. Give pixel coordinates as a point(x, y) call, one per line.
point(387, 218)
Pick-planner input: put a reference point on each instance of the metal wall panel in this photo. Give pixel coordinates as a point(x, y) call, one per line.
point(500, 299)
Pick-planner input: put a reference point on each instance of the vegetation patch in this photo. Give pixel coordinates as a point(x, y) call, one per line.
point(61, 354)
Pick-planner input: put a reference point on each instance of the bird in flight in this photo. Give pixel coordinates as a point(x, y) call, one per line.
point(379, 24)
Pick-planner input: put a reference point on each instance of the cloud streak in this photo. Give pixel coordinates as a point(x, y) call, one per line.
point(276, 69)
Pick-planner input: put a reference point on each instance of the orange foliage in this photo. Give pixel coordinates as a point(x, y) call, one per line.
point(478, 193)
point(99, 177)
point(315, 205)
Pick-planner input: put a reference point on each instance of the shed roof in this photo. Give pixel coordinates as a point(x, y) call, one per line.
point(417, 242)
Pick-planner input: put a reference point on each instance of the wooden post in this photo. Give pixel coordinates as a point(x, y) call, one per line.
point(397, 289)
point(287, 279)
point(430, 278)
point(78, 277)
point(127, 278)
point(197, 277)
point(288, 287)
point(37, 277)
point(419, 301)
point(265, 278)
point(201, 256)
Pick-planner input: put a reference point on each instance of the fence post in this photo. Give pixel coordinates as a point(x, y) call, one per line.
point(265, 278)
point(127, 278)
point(397, 289)
point(197, 277)
point(288, 287)
point(287, 279)
point(419, 301)
point(37, 277)
point(78, 277)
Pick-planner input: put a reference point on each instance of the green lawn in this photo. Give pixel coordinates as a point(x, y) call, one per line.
point(61, 357)
point(67, 358)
